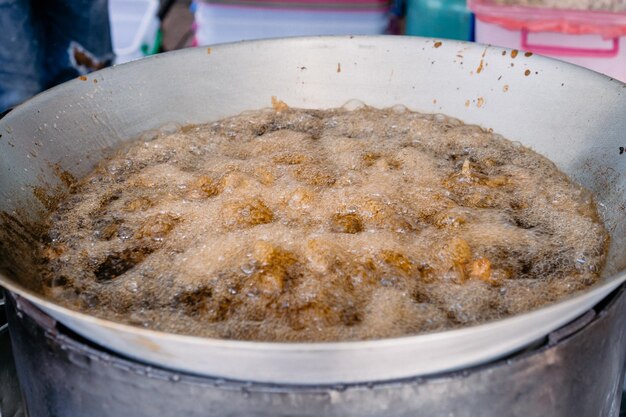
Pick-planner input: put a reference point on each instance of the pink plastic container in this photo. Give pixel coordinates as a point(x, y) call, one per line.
point(593, 39)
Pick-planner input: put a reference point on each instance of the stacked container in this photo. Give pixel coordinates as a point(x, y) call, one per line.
point(592, 39)
point(233, 20)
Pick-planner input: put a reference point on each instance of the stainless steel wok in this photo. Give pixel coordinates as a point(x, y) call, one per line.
point(571, 115)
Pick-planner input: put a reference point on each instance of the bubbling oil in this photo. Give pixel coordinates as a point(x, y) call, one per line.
point(321, 225)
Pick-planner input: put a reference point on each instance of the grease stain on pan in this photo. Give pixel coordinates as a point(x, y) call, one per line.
point(13, 226)
point(480, 67)
point(18, 237)
point(278, 104)
point(148, 344)
point(49, 201)
point(66, 177)
point(50, 196)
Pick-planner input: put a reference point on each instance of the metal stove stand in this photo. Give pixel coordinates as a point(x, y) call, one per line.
point(576, 372)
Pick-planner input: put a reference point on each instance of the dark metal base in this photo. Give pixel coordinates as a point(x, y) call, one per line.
point(577, 372)
point(10, 398)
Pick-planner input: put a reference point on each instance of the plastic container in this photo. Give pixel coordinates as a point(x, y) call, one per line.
point(450, 19)
point(592, 39)
point(134, 28)
point(217, 23)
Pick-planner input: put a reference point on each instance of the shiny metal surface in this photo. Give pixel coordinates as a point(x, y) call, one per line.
point(3, 324)
point(571, 115)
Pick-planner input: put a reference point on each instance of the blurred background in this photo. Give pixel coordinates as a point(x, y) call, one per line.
point(47, 42)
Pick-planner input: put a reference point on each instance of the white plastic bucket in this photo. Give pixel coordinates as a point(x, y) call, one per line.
point(133, 24)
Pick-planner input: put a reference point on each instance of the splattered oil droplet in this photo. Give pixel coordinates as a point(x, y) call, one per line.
point(505, 88)
point(528, 54)
point(514, 53)
point(279, 105)
point(480, 102)
point(480, 67)
point(208, 51)
point(467, 103)
point(338, 67)
point(527, 72)
point(82, 78)
point(503, 53)
point(437, 44)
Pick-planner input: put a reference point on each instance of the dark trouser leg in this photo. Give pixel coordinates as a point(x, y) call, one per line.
point(21, 53)
point(78, 38)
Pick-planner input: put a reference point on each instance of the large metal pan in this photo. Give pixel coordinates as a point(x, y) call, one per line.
point(571, 115)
